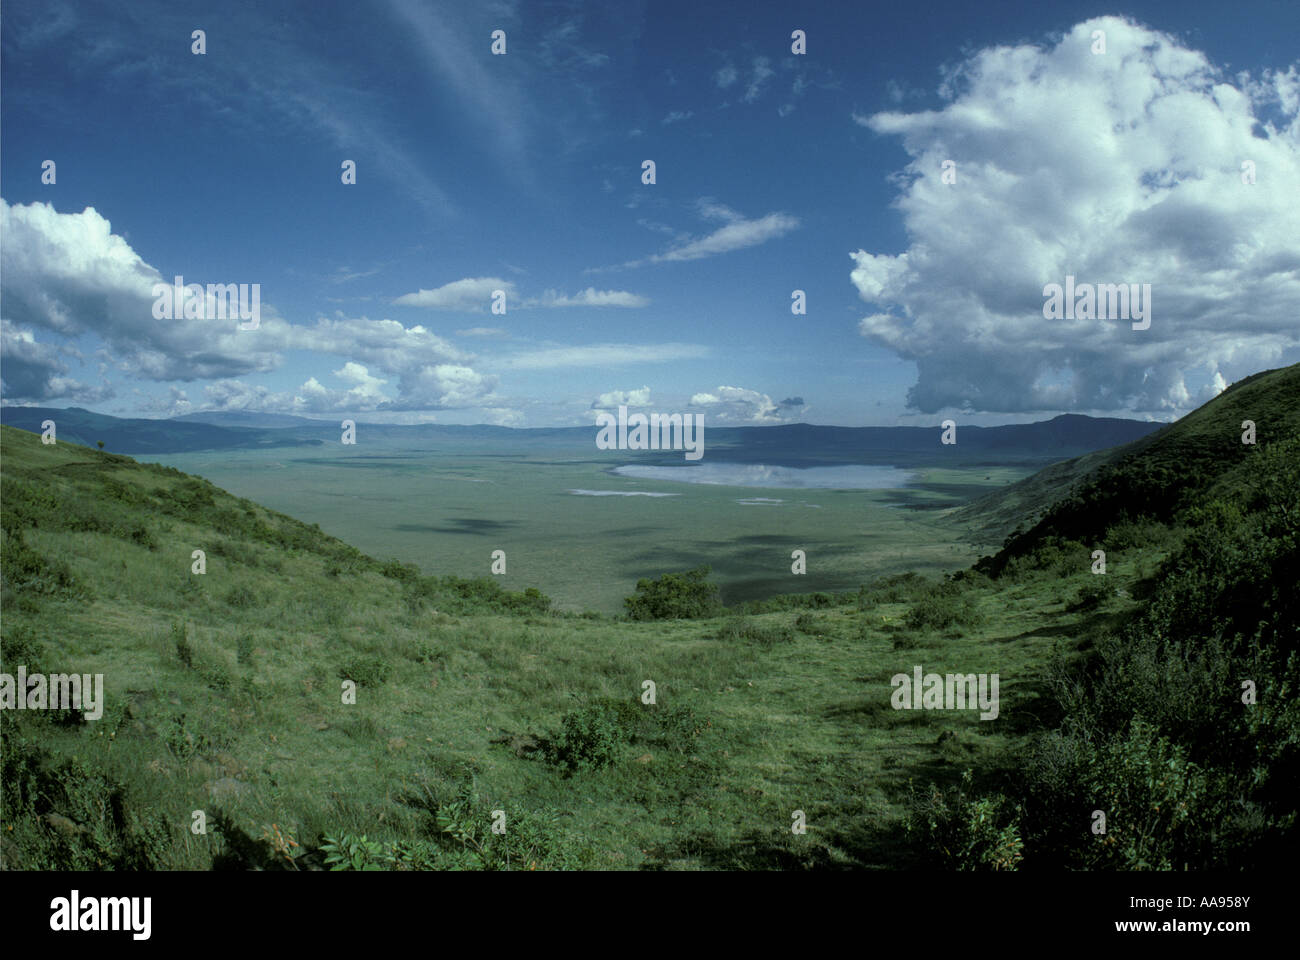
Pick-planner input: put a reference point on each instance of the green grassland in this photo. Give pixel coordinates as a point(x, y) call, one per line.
point(447, 508)
point(225, 690)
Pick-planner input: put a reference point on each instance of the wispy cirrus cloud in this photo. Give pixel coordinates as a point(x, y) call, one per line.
point(738, 233)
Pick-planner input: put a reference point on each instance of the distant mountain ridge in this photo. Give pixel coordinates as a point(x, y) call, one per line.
point(797, 444)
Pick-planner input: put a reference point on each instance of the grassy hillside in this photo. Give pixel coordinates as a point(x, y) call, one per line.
point(1160, 478)
point(1185, 717)
point(224, 695)
point(225, 691)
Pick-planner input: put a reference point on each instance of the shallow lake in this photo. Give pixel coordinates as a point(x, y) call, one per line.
point(846, 477)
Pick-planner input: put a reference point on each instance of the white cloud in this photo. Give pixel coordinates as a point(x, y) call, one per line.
point(622, 398)
point(710, 209)
point(762, 73)
point(474, 295)
point(591, 297)
point(502, 416)
point(1122, 167)
point(726, 76)
point(677, 116)
point(471, 295)
point(734, 236)
point(495, 332)
point(603, 355)
point(69, 275)
point(738, 405)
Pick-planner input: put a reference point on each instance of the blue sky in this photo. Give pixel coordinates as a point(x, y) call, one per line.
point(522, 172)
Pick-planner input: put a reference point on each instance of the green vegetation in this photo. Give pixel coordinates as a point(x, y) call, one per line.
point(675, 596)
point(1162, 693)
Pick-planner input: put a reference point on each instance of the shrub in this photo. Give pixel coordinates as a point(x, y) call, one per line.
point(941, 610)
point(397, 570)
point(674, 596)
point(24, 568)
point(893, 589)
point(1157, 803)
point(1090, 596)
point(798, 601)
point(966, 832)
point(479, 595)
point(588, 739)
point(366, 671)
point(183, 741)
point(66, 814)
point(533, 838)
point(807, 623)
point(21, 648)
point(350, 852)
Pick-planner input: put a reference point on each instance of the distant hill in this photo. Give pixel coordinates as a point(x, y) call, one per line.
point(803, 444)
point(1157, 478)
point(76, 425)
point(238, 418)
point(799, 444)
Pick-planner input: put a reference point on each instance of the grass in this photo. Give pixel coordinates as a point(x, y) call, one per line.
point(311, 702)
point(243, 714)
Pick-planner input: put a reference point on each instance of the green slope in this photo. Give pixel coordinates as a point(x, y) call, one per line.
point(224, 695)
point(224, 690)
point(1155, 479)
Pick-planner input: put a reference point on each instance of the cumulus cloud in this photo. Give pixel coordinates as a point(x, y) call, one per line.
point(1122, 167)
point(69, 275)
point(622, 398)
point(34, 371)
point(738, 405)
point(428, 387)
point(677, 116)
